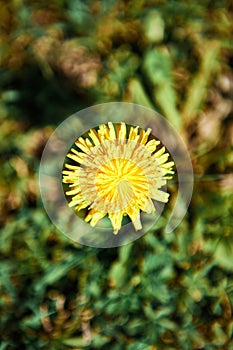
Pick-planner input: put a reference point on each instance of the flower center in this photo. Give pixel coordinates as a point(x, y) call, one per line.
point(119, 181)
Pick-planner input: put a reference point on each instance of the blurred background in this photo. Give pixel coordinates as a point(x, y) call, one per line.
point(162, 291)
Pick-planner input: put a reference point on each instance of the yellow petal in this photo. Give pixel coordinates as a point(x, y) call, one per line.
point(165, 171)
point(77, 201)
point(94, 216)
point(116, 219)
point(152, 145)
point(159, 153)
point(77, 158)
point(82, 206)
point(80, 154)
point(162, 159)
point(148, 206)
point(72, 192)
point(134, 214)
point(168, 165)
point(159, 195)
point(121, 131)
point(72, 167)
point(102, 132)
point(133, 133)
point(94, 136)
point(88, 143)
point(112, 133)
point(77, 197)
point(82, 145)
point(144, 136)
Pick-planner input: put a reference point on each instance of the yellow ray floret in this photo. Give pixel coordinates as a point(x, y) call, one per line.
point(117, 173)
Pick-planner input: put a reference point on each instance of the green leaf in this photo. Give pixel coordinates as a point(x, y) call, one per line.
point(157, 66)
point(75, 342)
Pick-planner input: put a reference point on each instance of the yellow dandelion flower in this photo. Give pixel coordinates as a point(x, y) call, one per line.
point(117, 172)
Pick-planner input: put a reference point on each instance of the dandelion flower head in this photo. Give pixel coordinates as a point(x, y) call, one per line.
point(116, 171)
